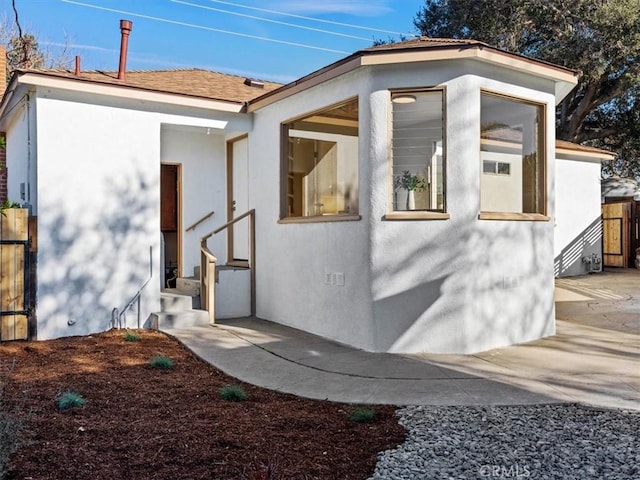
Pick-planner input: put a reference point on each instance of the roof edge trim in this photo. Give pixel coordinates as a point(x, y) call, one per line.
point(325, 74)
point(565, 79)
point(127, 92)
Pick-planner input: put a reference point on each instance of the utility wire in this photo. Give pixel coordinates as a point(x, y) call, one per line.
point(309, 18)
point(202, 27)
point(270, 20)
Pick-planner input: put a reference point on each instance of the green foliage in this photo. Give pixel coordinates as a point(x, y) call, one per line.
point(162, 362)
point(70, 399)
point(130, 336)
point(409, 182)
point(361, 415)
point(12, 422)
point(600, 39)
point(7, 204)
point(232, 393)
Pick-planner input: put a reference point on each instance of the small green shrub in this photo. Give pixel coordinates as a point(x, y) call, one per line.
point(161, 361)
point(130, 336)
point(232, 393)
point(12, 421)
point(361, 415)
point(70, 399)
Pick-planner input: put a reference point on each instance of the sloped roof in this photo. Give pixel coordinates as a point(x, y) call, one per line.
point(426, 49)
point(191, 82)
point(425, 42)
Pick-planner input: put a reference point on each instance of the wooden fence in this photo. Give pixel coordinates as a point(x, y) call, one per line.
point(14, 283)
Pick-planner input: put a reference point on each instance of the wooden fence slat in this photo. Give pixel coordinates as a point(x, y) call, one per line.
point(615, 222)
point(13, 226)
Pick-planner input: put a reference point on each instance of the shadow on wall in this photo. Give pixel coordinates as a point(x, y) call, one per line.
point(570, 260)
point(94, 255)
point(490, 286)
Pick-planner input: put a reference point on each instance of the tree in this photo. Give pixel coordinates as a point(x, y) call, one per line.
point(23, 49)
point(599, 38)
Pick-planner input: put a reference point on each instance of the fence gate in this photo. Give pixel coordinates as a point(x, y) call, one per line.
point(14, 274)
point(615, 223)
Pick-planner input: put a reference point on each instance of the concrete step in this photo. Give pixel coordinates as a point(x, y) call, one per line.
point(176, 300)
point(189, 285)
point(179, 319)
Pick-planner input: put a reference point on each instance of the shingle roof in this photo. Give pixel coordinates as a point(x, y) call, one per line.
point(192, 82)
point(424, 42)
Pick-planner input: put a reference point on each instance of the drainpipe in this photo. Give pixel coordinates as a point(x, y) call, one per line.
point(125, 29)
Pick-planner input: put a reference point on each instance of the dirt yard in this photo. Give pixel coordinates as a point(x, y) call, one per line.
point(141, 422)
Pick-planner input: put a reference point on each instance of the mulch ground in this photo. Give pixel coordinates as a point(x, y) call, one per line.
point(140, 422)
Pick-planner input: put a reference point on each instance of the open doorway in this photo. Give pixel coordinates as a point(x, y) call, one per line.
point(238, 200)
point(170, 221)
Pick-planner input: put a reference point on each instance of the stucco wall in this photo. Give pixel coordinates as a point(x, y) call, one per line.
point(456, 285)
point(22, 153)
point(578, 226)
point(462, 284)
point(293, 260)
point(98, 214)
point(98, 168)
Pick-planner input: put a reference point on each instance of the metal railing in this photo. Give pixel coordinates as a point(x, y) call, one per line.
point(208, 274)
point(118, 318)
point(195, 224)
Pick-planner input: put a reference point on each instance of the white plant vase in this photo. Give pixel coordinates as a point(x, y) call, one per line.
point(411, 200)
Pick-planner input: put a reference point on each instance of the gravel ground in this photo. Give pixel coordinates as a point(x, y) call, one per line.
point(559, 441)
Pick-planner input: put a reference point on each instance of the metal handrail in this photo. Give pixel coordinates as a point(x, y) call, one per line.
point(118, 317)
point(193, 227)
point(208, 264)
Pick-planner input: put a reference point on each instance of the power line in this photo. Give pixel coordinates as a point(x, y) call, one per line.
point(201, 27)
point(308, 18)
point(270, 20)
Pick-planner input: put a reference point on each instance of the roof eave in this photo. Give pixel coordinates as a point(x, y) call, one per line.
point(132, 92)
point(586, 155)
point(564, 79)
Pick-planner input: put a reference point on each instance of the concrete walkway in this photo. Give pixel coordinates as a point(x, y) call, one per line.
point(594, 358)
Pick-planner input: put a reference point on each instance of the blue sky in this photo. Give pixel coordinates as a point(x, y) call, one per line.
point(278, 40)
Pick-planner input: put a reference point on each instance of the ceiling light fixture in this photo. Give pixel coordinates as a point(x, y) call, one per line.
point(404, 99)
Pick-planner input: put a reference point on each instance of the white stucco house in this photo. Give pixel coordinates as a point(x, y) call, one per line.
point(406, 197)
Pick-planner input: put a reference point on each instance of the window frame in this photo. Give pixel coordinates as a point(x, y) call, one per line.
point(392, 214)
point(541, 147)
point(284, 168)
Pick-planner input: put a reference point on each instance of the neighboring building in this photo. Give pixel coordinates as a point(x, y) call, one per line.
point(578, 246)
point(404, 196)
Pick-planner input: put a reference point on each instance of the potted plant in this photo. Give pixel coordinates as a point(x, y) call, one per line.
point(411, 183)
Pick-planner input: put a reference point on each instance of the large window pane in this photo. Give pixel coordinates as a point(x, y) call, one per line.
point(322, 163)
point(417, 151)
point(512, 156)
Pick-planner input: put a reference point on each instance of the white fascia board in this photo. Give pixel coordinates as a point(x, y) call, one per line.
point(181, 120)
point(567, 154)
point(564, 79)
point(303, 84)
point(128, 93)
